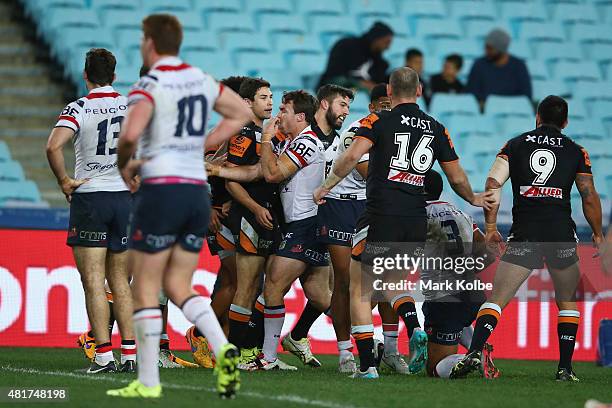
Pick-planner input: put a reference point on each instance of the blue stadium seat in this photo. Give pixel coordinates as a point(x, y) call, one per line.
point(58, 19)
point(396, 53)
point(218, 64)
point(280, 78)
point(484, 156)
point(113, 18)
point(399, 25)
point(189, 20)
point(575, 13)
point(519, 11)
point(99, 5)
point(306, 64)
point(473, 10)
point(512, 126)
point(601, 110)
point(444, 105)
point(331, 28)
point(541, 89)
point(40, 9)
point(288, 43)
point(314, 7)
point(127, 75)
point(553, 51)
point(576, 110)
point(478, 29)
point(360, 103)
point(541, 32)
point(582, 33)
point(254, 62)
point(220, 21)
point(285, 24)
point(156, 6)
point(73, 37)
point(429, 29)
point(207, 6)
point(11, 170)
point(497, 105)
point(463, 47)
point(599, 52)
point(537, 70)
point(128, 38)
point(202, 40)
point(239, 41)
point(266, 7)
point(520, 49)
point(372, 8)
point(19, 191)
point(463, 128)
point(577, 71)
point(5, 154)
point(591, 91)
point(417, 9)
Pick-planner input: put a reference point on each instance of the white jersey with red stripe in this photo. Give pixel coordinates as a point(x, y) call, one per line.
point(183, 96)
point(308, 154)
point(96, 122)
point(353, 186)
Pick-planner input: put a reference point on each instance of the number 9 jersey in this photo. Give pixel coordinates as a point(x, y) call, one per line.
point(183, 98)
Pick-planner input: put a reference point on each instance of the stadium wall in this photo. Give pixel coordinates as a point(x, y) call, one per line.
point(42, 303)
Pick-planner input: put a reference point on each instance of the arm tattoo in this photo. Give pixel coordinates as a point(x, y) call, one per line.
point(585, 185)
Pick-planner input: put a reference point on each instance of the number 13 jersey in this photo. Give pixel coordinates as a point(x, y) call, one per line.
point(405, 143)
point(183, 98)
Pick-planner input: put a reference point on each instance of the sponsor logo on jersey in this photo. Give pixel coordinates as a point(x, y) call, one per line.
point(95, 166)
point(239, 145)
point(543, 139)
point(537, 192)
point(297, 248)
point(406, 177)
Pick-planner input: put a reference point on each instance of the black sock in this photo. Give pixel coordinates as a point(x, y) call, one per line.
point(365, 346)
point(567, 327)
point(196, 332)
point(487, 319)
point(90, 333)
point(111, 318)
point(255, 333)
point(309, 315)
point(406, 309)
point(238, 325)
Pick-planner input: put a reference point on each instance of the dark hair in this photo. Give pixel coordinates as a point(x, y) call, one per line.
point(379, 91)
point(455, 59)
point(303, 102)
point(234, 82)
point(413, 52)
point(330, 91)
point(250, 86)
point(100, 66)
point(166, 32)
point(433, 185)
point(553, 111)
point(143, 71)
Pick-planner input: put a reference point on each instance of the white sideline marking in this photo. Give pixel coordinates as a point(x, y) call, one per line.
point(296, 399)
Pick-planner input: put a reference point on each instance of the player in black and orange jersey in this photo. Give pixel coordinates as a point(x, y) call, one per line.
point(542, 164)
point(403, 144)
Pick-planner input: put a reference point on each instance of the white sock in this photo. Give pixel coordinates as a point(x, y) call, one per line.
point(148, 327)
point(444, 367)
point(345, 349)
point(391, 332)
point(274, 317)
point(128, 352)
point(198, 311)
point(466, 336)
point(104, 354)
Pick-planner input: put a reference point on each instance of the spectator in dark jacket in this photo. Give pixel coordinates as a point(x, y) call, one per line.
point(498, 72)
point(358, 61)
point(446, 81)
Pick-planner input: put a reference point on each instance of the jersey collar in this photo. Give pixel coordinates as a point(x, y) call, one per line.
point(168, 62)
point(103, 89)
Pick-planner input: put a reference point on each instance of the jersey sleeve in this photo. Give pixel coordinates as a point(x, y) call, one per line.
point(584, 162)
point(504, 152)
point(144, 89)
point(239, 148)
point(72, 116)
point(367, 128)
point(347, 138)
point(446, 150)
point(302, 151)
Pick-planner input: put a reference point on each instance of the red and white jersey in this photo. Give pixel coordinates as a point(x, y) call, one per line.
point(183, 96)
point(353, 186)
point(308, 153)
point(96, 122)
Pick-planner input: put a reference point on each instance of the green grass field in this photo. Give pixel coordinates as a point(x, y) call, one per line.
point(523, 384)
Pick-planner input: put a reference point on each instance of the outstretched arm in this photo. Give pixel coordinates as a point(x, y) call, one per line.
point(461, 185)
point(235, 114)
point(241, 174)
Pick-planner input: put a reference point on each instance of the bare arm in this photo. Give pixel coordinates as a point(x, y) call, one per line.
point(458, 180)
point(362, 169)
point(57, 140)
point(242, 174)
point(591, 205)
point(235, 114)
point(239, 193)
point(136, 120)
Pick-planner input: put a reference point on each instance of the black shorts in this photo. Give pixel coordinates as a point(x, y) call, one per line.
point(531, 244)
point(445, 318)
point(300, 242)
point(221, 243)
point(337, 220)
point(167, 214)
point(100, 220)
point(373, 228)
point(250, 237)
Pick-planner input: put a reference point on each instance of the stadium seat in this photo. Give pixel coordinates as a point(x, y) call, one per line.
point(11, 170)
point(360, 103)
point(497, 105)
point(444, 105)
point(113, 18)
point(308, 63)
point(543, 88)
point(5, 154)
point(463, 47)
point(520, 49)
point(577, 71)
point(156, 6)
point(266, 7)
point(189, 20)
point(203, 40)
point(279, 78)
point(207, 6)
point(221, 21)
point(288, 43)
point(284, 24)
point(399, 25)
point(127, 75)
point(99, 5)
point(599, 52)
point(19, 191)
point(128, 38)
point(601, 110)
point(318, 7)
point(218, 64)
point(39, 9)
point(240, 41)
point(537, 70)
point(575, 13)
point(373, 8)
point(553, 51)
point(591, 91)
point(519, 11)
point(417, 9)
point(61, 18)
point(484, 156)
point(397, 51)
point(473, 10)
point(73, 37)
point(463, 129)
point(478, 29)
point(255, 61)
point(540, 32)
point(331, 28)
point(512, 126)
point(428, 29)
point(582, 33)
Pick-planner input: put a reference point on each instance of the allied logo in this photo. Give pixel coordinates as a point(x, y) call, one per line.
point(539, 192)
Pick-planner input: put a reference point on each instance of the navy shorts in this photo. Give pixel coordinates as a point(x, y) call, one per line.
point(300, 242)
point(168, 214)
point(446, 317)
point(530, 245)
point(337, 220)
point(100, 220)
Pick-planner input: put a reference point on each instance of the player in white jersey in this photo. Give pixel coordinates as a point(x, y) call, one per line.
point(449, 313)
point(168, 111)
point(100, 205)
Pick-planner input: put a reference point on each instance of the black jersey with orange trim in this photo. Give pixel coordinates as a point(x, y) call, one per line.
point(405, 144)
point(218, 192)
point(543, 167)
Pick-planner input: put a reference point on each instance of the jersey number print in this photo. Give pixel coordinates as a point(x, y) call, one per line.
point(421, 158)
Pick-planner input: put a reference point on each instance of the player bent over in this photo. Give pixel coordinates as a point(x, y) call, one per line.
point(542, 165)
point(169, 108)
point(450, 313)
point(100, 206)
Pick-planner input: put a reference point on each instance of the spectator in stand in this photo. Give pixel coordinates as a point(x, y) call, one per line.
point(447, 81)
point(498, 72)
point(358, 61)
point(414, 59)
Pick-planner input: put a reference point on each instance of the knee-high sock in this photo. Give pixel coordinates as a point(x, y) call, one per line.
point(405, 308)
point(364, 337)
point(466, 336)
point(198, 311)
point(274, 317)
point(567, 327)
point(148, 327)
point(487, 319)
point(309, 315)
point(390, 333)
point(444, 366)
point(255, 334)
point(238, 325)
